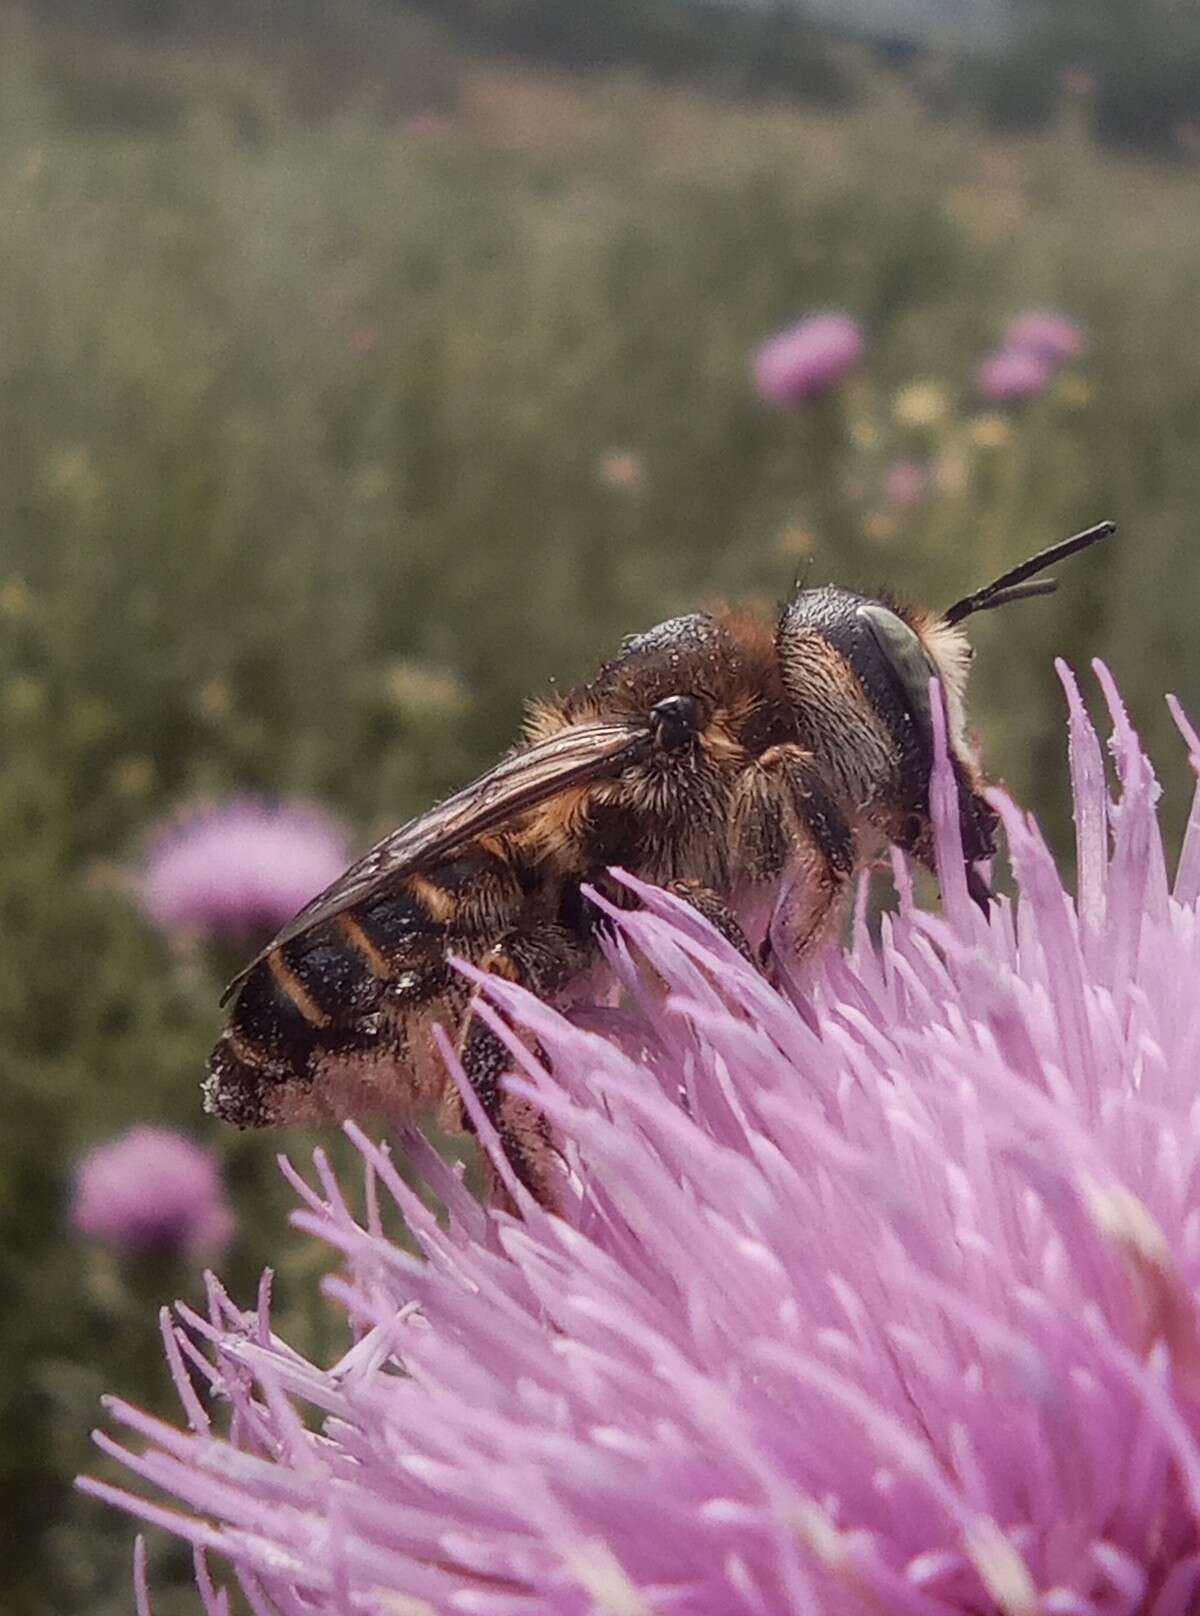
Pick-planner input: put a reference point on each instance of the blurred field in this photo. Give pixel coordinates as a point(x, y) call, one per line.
point(329, 432)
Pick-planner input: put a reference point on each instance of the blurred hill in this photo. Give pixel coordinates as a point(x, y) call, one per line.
point(1005, 58)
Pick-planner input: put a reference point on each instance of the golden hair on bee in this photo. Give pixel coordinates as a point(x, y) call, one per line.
point(749, 766)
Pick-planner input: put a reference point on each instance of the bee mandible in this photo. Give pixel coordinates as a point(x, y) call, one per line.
point(751, 767)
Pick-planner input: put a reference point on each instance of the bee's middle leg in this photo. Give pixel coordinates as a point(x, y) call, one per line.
point(542, 960)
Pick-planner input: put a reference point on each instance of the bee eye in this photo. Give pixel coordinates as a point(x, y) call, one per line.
point(674, 722)
point(905, 653)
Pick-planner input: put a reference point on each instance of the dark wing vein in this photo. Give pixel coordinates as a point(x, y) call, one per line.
point(518, 782)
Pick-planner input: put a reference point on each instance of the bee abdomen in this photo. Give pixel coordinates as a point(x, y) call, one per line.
point(328, 974)
point(325, 981)
point(387, 928)
point(276, 1014)
point(244, 1087)
point(339, 987)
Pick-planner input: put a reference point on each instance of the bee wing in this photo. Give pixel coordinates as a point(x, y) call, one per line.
point(518, 782)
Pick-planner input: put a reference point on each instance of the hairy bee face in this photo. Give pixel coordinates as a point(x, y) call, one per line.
point(858, 673)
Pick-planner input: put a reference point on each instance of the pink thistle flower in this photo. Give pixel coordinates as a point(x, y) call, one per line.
point(905, 483)
point(1053, 338)
point(1009, 375)
point(807, 359)
point(241, 867)
point(1078, 80)
point(152, 1189)
point(878, 1296)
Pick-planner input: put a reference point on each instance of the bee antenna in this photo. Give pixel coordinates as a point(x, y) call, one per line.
point(1012, 585)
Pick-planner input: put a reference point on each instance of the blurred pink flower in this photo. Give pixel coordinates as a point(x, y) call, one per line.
point(1045, 334)
point(621, 469)
point(905, 482)
point(875, 1295)
point(808, 358)
point(364, 339)
point(1008, 375)
point(152, 1189)
point(427, 125)
point(240, 867)
point(1078, 80)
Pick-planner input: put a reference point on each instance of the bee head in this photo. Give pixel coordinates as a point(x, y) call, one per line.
point(886, 653)
point(893, 653)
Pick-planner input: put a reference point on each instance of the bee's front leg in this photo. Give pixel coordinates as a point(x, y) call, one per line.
point(786, 823)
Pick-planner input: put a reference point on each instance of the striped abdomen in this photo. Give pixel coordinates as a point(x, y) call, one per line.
point(335, 1022)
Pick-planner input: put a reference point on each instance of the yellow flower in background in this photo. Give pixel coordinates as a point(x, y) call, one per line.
point(950, 473)
point(24, 696)
point(422, 687)
point(991, 431)
point(920, 404)
point(70, 470)
point(213, 698)
point(15, 599)
point(133, 776)
point(879, 527)
point(372, 482)
point(864, 434)
point(796, 541)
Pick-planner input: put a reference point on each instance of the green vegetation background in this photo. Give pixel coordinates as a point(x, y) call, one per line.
point(351, 390)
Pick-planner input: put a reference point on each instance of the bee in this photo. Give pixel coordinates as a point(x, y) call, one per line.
point(751, 767)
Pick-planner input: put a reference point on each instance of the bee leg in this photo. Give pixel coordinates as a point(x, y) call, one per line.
point(716, 911)
point(543, 961)
point(977, 821)
point(786, 822)
point(524, 1138)
point(979, 891)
